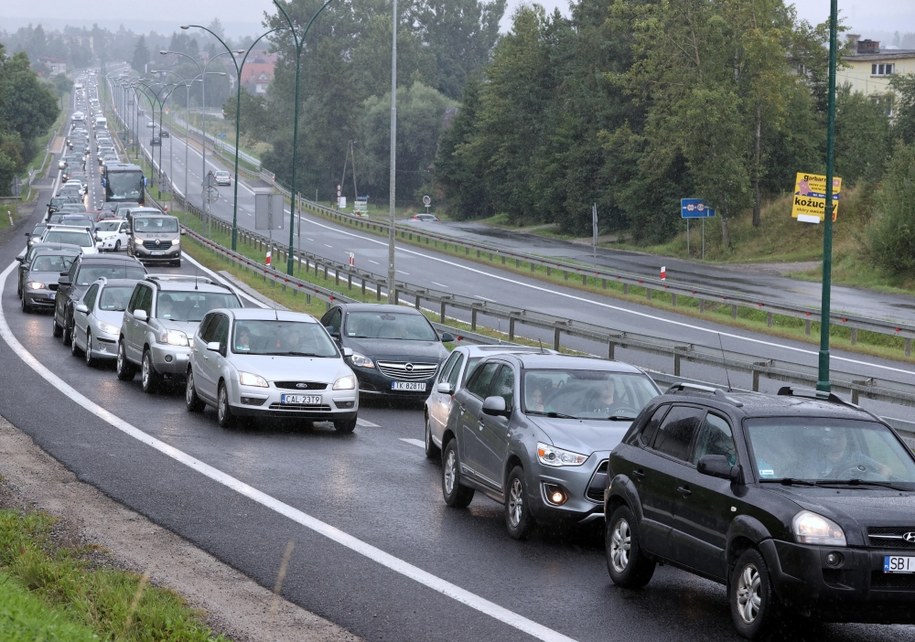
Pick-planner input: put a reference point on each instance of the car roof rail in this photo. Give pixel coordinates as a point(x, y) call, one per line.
point(810, 393)
point(696, 388)
point(163, 277)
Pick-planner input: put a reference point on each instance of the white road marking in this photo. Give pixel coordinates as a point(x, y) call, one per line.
point(441, 285)
point(332, 533)
point(414, 442)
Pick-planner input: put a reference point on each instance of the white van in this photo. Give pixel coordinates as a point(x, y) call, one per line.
point(101, 122)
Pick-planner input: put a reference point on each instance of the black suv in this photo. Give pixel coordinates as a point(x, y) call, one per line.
point(799, 504)
point(84, 271)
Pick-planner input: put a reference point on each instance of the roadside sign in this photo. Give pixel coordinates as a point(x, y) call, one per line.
point(695, 208)
point(809, 202)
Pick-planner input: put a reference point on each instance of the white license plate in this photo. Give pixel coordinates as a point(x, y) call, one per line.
point(301, 400)
point(898, 564)
point(412, 386)
point(157, 252)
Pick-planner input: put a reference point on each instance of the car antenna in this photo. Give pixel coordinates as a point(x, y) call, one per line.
point(724, 362)
point(540, 341)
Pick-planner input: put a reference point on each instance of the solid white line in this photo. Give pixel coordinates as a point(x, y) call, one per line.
point(414, 442)
point(322, 528)
point(441, 285)
point(608, 306)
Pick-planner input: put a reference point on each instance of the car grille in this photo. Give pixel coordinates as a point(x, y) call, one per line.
point(892, 581)
point(157, 245)
point(598, 483)
point(301, 385)
point(407, 371)
point(892, 537)
point(287, 407)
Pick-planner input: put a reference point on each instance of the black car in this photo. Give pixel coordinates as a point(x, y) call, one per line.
point(83, 272)
point(802, 505)
point(396, 351)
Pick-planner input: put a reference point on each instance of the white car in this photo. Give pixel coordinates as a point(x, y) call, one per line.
point(112, 235)
point(222, 177)
point(97, 319)
point(74, 235)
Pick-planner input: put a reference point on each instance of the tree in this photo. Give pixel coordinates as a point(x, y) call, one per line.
point(140, 56)
point(862, 145)
point(891, 235)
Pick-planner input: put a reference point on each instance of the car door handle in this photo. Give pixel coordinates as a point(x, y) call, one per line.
point(638, 474)
point(684, 490)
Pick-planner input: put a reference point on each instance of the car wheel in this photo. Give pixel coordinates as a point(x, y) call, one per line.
point(87, 353)
point(117, 245)
point(345, 425)
point(432, 451)
point(177, 263)
point(66, 333)
point(149, 378)
point(627, 565)
point(454, 493)
point(25, 305)
point(56, 330)
point(753, 603)
point(518, 518)
point(74, 348)
point(223, 412)
point(191, 400)
point(125, 369)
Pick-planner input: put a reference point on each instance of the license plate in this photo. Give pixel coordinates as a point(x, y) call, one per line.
point(157, 252)
point(898, 564)
point(301, 400)
point(412, 386)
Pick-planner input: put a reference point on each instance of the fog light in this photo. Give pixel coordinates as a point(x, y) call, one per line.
point(555, 495)
point(345, 404)
point(168, 358)
point(834, 559)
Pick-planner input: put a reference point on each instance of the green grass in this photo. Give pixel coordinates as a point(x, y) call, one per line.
point(50, 591)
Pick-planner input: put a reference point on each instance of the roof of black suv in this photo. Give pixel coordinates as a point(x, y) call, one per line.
point(788, 401)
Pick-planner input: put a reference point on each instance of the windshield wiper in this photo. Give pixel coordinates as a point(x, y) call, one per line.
point(788, 481)
point(618, 418)
point(858, 482)
point(559, 415)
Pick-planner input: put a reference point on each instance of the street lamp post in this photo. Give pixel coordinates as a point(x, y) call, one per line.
point(299, 43)
point(238, 68)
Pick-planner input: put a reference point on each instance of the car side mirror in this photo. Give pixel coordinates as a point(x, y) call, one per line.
point(140, 315)
point(720, 466)
point(446, 388)
point(214, 346)
point(64, 278)
point(447, 337)
point(495, 405)
point(81, 307)
point(347, 353)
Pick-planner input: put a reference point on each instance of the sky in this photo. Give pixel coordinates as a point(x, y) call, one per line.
point(243, 17)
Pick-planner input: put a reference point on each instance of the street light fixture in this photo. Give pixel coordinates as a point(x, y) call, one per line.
point(299, 43)
point(238, 68)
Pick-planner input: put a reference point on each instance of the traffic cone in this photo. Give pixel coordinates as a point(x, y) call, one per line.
point(663, 272)
point(268, 257)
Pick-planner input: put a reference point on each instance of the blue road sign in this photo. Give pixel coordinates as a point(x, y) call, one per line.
point(695, 208)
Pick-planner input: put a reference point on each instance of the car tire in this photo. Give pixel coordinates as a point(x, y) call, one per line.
point(192, 402)
point(56, 330)
point(117, 245)
point(177, 263)
point(125, 369)
point(25, 305)
point(345, 426)
point(518, 518)
point(74, 348)
point(224, 416)
point(150, 380)
point(754, 606)
point(456, 495)
point(66, 333)
point(627, 565)
point(432, 451)
point(87, 353)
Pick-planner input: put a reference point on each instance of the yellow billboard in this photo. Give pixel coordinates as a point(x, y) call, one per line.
point(810, 197)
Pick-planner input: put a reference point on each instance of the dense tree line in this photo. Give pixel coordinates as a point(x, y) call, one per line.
point(28, 108)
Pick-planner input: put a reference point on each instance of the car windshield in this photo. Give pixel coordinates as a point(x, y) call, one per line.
point(89, 274)
point(51, 263)
point(157, 224)
point(115, 297)
point(389, 325)
point(282, 338)
point(107, 226)
point(586, 394)
point(824, 449)
point(192, 305)
point(81, 238)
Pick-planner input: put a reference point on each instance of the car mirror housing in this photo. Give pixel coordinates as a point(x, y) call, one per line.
point(214, 346)
point(140, 315)
point(447, 337)
point(495, 406)
point(81, 307)
point(719, 466)
point(445, 388)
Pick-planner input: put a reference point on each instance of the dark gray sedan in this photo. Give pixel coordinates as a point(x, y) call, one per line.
point(534, 432)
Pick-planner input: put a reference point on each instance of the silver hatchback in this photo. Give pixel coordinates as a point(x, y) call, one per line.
point(251, 362)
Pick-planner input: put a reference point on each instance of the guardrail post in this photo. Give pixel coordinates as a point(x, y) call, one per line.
point(441, 313)
point(611, 349)
point(908, 347)
point(584, 279)
point(769, 319)
point(511, 326)
point(557, 333)
point(854, 336)
point(734, 311)
point(474, 310)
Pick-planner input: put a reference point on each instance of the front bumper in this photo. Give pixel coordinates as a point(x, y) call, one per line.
point(855, 589)
point(580, 488)
point(375, 383)
point(334, 405)
point(43, 299)
point(170, 360)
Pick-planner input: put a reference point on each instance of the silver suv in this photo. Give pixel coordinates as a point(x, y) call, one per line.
point(163, 312)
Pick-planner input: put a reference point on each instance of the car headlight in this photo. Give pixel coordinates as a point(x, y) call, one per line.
point(345, 383)
point(35, 285)
point(107, 328)
point(810, 528)
point(361, 361)
point(173, 338)
point(176, 242)
point(138, 241)
point(249, 379)
point(552, 456)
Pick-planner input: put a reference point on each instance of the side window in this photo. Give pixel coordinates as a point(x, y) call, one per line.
point(135, 298)
point(715, 438)
point(91, 294)
point(456, 370)
point(650, 429)
point(146, 300)
point(207, 327)
point(74, 268)
point(504, 385)
point(482, 376)
point(448, 366)
point(332, 320)
point(676, 432)
point(221, 333)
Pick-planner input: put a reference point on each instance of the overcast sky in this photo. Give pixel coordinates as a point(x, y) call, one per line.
point(244, 16)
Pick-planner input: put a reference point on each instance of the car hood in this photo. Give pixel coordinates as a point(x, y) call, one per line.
point(398, 350)
point(283, 368)
point(865, 504)
point(152, 236)
point(111, 317)
point(44, 277)
point(583, 436)
point(106, 234)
